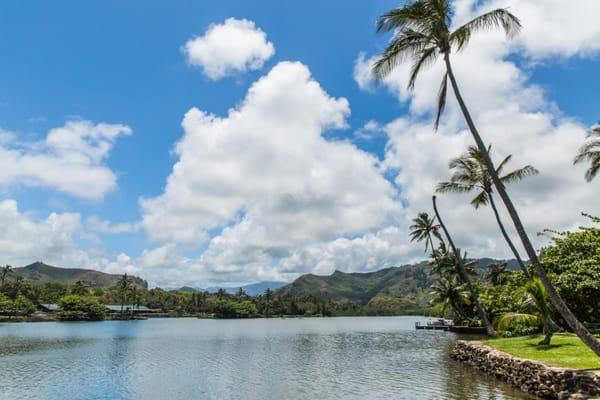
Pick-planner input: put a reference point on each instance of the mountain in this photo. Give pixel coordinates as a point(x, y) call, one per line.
point(40, 272)
point(407, 281)
point(253, 289)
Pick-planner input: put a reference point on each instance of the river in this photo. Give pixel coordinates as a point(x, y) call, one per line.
point(310, 358)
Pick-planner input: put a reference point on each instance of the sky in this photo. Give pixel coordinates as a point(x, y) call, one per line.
point(224, 143)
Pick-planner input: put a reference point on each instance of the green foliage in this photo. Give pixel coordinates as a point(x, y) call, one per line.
point(230, 308)
point(573, 264)
point(6, 305)
point(383, 304)
point(23, 306)
point(76, 307)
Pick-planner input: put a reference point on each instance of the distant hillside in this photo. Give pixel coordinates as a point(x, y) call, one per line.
point(40, 272)
point(253, 289)
point(405, 281)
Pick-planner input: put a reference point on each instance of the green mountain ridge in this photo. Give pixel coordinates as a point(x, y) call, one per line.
point(409, 281)
point(39, 272)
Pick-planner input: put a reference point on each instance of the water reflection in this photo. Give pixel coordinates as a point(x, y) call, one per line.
point(350, 358)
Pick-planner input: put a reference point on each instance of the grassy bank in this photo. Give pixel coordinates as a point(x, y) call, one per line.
point(566, 350)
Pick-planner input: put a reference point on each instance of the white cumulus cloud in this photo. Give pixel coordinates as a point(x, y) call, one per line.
point(267, 179)
point(71, 159)
point(232, 47)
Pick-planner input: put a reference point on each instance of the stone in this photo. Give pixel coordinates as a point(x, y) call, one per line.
point(530, 376)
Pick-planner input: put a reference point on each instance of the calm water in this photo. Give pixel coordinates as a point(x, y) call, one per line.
point(331, 358)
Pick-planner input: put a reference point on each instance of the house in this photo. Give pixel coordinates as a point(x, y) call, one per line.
point(49, 308)
point(110, 308)
point(116, 308)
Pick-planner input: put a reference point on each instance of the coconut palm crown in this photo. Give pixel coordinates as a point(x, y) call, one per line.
point(424, 228)
point(422, 34)
point(471, 173)
point(590, 151)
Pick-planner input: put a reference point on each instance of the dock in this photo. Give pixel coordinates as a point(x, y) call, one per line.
point(437, 325)
point(448, 326)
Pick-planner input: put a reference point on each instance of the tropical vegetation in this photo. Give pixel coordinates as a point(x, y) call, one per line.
point(422, 33)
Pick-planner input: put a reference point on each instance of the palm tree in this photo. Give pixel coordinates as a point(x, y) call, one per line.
point(443, 262)
point(424, 228)
point(124, 288)
point(470, 173)
point(422, 33)
point(268, 300)
point(464, 275)
point(494, 273)
point(6, 270)
point(449, 291)
point(537, 306)
point(135, 296)
point(80, 288)
point(590, 152)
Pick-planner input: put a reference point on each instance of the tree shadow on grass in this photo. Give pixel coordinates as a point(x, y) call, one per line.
point(551, 346)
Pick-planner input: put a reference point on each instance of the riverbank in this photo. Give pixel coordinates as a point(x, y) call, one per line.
point(531, 376)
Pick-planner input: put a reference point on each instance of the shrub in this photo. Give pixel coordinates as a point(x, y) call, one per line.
point(23, 306)
point(573, 264)
point(75, 307)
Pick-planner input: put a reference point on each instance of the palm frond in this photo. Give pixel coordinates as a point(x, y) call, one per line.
point(453, 187)
point(496, 19)
point(481, 199)
point(441, 100)
point(592, 171)
point(428, 56)
point(506, 320)
point(413, 16)
point(590, 152)
point(501, 166)
point(519, 174)
point(408, 44)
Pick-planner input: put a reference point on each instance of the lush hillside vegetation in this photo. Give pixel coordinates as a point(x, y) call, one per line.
point(393, 290)
point(39, 272)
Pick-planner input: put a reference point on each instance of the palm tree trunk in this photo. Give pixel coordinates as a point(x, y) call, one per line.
point(548, 332)
point(464, 275)
point(549, 326)
point(507, 238)
point(458, 308)
point(557, 301)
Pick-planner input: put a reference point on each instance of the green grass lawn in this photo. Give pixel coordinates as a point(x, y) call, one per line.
point(566, 350)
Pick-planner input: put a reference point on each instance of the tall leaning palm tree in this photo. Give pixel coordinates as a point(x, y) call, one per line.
point(590, 151)
point(470, 173)
point(424, 228)
point(422, 34)
point(460, 264)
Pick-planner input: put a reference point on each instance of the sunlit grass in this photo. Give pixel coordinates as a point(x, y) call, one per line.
point(566, 350)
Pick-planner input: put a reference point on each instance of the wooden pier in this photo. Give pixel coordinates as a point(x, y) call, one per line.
point(442, 325)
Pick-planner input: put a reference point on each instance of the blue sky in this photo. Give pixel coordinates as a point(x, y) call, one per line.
point(123, 63)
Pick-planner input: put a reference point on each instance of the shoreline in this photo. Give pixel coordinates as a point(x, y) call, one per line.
point(143, 317)
point(533, 377)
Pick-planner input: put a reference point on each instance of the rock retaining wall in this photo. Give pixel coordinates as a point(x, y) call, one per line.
point(530, 376)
